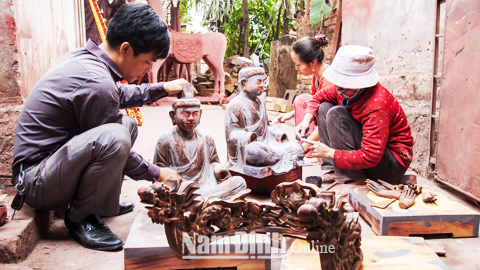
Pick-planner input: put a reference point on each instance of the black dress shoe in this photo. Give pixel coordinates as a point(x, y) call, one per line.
point(126, 207)
point(92, 233)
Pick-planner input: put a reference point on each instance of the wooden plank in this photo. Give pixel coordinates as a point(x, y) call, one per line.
point(457, 229)
point(384, 204)
point(338, 29)
point(206, 92)
point(445, 216)
point(386, 252)
point(208, 84)
point(273, 107)
point(201, 78)
point(279, 101)
point(284, 108)
point(171, 262)
point(229, 88)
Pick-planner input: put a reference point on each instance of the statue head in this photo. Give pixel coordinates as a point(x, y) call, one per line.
point(252, 80)
point(186, 113)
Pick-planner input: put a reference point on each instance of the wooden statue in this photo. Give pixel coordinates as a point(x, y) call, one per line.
point(190, 48)
point(192, 152)
point(254, 148)
point(303, 212)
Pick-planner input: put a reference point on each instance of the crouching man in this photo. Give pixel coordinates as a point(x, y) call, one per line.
point(72, 144)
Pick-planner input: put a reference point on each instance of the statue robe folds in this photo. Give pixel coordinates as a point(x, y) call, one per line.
point(197, 162)
point(254, 148)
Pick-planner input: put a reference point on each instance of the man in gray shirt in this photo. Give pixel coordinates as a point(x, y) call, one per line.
point(72, 144)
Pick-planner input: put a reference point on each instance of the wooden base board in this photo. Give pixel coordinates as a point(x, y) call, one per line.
point(147, 248)
point(267, 184)
point(384, 252)
point(445, 216)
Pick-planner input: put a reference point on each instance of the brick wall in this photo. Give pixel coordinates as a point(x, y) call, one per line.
point(10, 97)
point(326, 27)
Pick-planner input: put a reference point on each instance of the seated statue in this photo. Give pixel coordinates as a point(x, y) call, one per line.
point(192, 153)
point(254, 148)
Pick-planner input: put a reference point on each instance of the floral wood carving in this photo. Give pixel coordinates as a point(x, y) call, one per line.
point(188, 47)
point(303, 212)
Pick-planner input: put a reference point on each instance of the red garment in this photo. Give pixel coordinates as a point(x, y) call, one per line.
point(322, 83)
point(383, 124)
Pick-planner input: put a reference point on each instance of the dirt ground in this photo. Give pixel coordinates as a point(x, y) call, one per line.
point(58, 251)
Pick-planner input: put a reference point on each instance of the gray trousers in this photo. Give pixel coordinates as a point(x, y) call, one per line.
point(339, 130)
point(86, 172)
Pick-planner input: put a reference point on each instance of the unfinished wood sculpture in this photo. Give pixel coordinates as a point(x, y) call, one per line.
point(407, 198)
point(404, 193)
point(383, 191)
point(192, 152)
point(254, 148)
point(303, 212)
point(429, 197)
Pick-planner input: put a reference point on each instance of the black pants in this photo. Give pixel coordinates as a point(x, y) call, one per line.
point(339, 130)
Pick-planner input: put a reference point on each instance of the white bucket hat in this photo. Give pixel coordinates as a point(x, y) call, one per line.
point(352, 68)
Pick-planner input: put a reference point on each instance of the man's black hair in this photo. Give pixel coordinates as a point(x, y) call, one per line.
point(140, 26)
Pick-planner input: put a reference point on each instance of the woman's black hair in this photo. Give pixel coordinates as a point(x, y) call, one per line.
point(296, 14)
point(140, 26)
point(309, 49)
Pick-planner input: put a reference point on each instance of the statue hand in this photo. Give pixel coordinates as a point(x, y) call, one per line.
point(175, 86)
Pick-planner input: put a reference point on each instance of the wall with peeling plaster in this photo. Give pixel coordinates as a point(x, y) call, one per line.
point(46, 30)
point(401, 34)
point(33, 35)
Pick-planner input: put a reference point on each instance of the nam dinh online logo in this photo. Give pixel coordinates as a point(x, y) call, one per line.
point(245, 246)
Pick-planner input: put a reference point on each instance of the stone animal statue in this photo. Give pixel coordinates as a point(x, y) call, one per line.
point(190, 48)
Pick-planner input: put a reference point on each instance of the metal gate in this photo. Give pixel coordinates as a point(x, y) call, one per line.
point(458, 143)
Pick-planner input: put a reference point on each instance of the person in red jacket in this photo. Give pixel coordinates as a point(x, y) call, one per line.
point(363, 130)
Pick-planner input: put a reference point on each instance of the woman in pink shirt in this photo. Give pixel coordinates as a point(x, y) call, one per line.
point(307, 54)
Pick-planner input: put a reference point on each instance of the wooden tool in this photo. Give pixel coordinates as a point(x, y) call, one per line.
point(384, 204)
point(332, 185)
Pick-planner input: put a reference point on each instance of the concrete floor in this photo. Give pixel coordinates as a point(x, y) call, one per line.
point(58, 251)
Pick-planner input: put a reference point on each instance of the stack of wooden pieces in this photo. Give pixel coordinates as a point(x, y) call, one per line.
point(205, 83)
point(231, 67)
point(276, 106)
